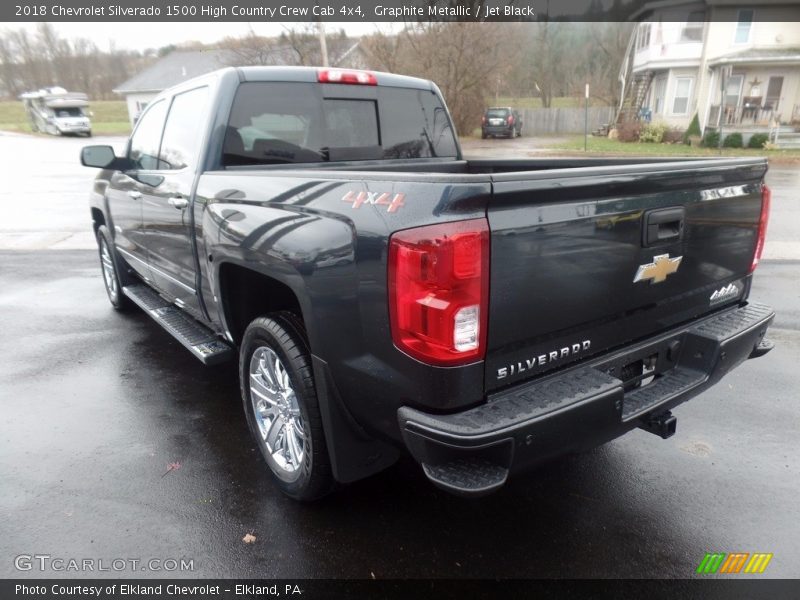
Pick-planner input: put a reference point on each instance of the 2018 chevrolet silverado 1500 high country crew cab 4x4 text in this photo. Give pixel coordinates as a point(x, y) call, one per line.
point(384, 295)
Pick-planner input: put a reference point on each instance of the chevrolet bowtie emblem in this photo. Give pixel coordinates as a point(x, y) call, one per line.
point(658, 270)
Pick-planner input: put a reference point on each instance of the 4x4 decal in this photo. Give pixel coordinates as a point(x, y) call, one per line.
point(381, 198)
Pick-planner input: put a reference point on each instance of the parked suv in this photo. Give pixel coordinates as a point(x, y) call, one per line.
point(503, 121)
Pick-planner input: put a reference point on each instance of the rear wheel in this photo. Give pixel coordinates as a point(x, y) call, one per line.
point(281, 405)
point(113, 278)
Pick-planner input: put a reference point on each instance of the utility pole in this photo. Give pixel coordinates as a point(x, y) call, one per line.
point(586, 120)
point(323, 45)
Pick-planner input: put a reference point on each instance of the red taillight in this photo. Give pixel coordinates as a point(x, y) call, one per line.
point(510, 119)
point(346, 76)
point(439, 291)
point(766, 198)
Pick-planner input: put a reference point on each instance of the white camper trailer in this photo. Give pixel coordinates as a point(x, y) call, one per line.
point(56, 111)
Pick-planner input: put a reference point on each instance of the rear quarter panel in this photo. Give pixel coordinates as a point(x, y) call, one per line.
point(305, 230)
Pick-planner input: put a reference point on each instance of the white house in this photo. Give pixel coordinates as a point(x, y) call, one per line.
point(181, 65)
point(731, 62)
point(174, 68)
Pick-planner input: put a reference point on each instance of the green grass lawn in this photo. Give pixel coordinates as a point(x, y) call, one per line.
point(110, 117)
point(601, 145)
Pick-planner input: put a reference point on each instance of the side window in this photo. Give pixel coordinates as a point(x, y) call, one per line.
point(182, 132)
point(147, 137)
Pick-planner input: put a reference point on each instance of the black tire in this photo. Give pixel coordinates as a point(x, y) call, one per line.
point(483, 135)
point(283, 334)
point(119, 278)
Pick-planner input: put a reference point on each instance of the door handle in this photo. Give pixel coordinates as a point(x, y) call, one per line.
point(663, 226)
point(134, 195)
point(178, 202)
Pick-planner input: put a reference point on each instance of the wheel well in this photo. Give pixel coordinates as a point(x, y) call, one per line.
point(97, 218)
point(247, 294)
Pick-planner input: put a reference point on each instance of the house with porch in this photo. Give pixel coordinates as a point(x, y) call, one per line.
point(736, 65)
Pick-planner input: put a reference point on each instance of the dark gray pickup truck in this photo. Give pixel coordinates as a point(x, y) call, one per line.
point(384, 295)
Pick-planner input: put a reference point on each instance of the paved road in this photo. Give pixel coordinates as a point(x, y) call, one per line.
point(96, 405)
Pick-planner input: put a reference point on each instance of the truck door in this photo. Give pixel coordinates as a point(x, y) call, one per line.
point(167, 208)
point(127, 189)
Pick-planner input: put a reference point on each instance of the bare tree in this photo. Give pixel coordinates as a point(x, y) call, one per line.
point(460, 57)
point(29, 62)
point(249, 50)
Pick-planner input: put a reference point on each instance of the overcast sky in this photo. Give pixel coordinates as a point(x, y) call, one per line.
point(139, 36)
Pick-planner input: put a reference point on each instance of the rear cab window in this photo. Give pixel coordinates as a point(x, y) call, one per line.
point(497, 113)
point(285, 123)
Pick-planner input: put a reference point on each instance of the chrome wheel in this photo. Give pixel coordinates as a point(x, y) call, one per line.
point(109, 272)
point(277, 414)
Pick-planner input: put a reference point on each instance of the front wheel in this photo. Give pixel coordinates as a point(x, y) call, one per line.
point(281, 405)
point(113, 278)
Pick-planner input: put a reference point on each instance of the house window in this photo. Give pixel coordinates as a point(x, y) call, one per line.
point(692, 30)
point(743, 27)
point(683, 87)
point(659, 88)
point(643, 37)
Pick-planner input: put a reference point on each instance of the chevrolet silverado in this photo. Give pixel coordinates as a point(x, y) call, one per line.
point(384, 295)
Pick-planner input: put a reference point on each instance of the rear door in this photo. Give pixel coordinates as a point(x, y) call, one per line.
point(127, 189)
point(167, 207)
point(586, 260)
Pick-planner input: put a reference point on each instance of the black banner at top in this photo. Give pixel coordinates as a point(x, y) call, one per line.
point(282, 11)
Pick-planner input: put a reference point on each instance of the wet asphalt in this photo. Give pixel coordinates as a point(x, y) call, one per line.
point(95, 406)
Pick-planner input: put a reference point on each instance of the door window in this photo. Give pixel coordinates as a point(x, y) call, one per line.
point(733, 90)
point(147, 138)
point(774, 88)
point(658, 95)
point(182, 131)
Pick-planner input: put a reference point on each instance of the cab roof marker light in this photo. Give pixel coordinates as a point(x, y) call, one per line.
point(348, 76)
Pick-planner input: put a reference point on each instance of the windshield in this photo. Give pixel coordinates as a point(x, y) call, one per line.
point(71, 111)
point(278, 123)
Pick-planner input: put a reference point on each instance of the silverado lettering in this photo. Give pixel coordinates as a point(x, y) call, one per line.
point(235, 219)
point(542, 359)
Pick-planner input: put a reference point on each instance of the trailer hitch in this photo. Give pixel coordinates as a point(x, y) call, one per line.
point(662, 425)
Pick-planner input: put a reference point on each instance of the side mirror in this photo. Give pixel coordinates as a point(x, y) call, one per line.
point(100, 157)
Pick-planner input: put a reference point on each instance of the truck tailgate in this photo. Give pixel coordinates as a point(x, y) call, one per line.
point(575, 267)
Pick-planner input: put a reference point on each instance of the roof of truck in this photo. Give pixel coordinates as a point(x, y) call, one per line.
point(309, 75)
